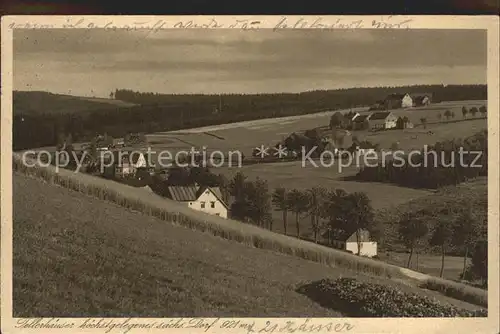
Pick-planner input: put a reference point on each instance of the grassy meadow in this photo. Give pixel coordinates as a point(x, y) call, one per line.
point(78, 256)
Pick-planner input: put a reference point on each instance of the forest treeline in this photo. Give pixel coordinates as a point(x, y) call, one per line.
point(40, 118)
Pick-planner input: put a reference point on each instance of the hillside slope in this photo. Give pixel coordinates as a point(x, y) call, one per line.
point(78, 256)
point(48, 103)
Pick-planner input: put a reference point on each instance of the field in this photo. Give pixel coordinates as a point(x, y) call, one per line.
point(427, 263)
point(79, 256)
point(245, 136)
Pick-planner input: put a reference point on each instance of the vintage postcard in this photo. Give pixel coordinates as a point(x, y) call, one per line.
point(250, 174)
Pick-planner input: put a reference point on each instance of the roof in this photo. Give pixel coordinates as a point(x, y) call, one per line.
point(360, 118)
point(342, 235)
point(379, 115)
point(183, 193)
point(395, 96)
point(215, 190)
point(192, 193)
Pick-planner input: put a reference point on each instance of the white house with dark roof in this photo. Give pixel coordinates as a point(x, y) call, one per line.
point(348, 241)
point(382, 120)
point(205, 199)
point(395, 101)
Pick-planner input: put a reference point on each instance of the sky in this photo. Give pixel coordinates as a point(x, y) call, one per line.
point(95, 62)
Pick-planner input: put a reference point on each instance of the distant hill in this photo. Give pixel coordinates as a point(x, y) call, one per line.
point(45, 102)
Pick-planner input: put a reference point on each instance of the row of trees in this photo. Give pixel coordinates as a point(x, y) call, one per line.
point(459, 229)
point(450, 114)
point(39, 117)
point(445, 163)
point(327, 210)
point(473, 111)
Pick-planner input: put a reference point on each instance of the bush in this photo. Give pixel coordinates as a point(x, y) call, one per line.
point(359, 299)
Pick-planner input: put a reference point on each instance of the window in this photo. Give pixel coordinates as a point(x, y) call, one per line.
point(217, 214)
point(203, 205)
point(212, 205)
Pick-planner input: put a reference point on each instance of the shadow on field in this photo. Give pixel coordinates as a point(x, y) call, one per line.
point(313, 291)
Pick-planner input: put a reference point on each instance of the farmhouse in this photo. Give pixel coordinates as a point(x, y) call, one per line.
point(205, 199)
point(348, 241)
point(395, 101)
point(382, 120)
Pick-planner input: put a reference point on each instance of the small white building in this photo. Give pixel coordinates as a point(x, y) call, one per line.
point(205, 199)
point(348, 241)
point(395, 101)
point(407, 101)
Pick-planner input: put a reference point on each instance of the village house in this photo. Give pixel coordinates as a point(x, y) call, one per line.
point(382, 120)
point(205, 199)
point(395, 101)
point(348, 241)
